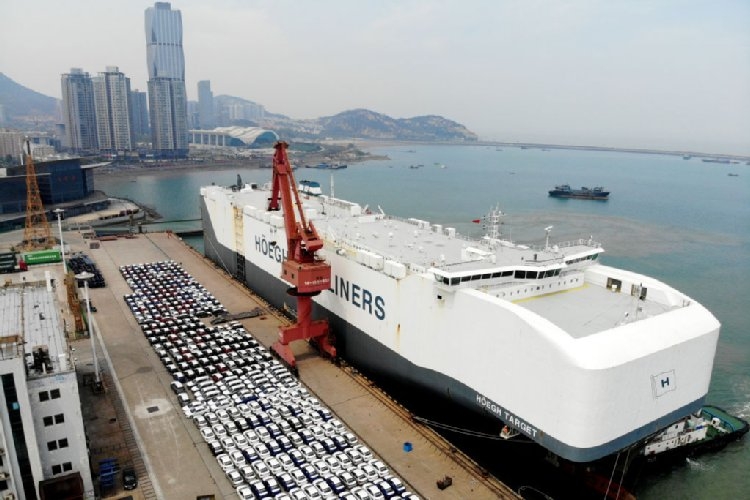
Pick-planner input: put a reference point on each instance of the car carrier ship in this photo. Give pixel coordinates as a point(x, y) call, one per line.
point(582, 358)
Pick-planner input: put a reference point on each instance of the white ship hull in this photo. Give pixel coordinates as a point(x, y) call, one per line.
point(580, 390)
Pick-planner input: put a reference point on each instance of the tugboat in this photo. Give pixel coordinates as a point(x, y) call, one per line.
point(565, 191)
point(709, 429)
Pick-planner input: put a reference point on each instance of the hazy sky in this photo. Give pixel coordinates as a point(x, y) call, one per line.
point(671, 74)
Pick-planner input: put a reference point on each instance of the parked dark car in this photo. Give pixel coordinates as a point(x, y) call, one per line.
point(129, 479)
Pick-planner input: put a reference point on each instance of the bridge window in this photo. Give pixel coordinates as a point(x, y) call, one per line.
point(520, 274)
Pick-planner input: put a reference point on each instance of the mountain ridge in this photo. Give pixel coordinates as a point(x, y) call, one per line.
point(18, 100)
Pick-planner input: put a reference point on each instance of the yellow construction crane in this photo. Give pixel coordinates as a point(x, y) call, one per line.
point(37, 233)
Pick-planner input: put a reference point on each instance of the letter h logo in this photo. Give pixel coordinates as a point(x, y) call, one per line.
point(663, 383)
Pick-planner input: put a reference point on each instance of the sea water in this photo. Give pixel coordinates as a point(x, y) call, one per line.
point(685, 222)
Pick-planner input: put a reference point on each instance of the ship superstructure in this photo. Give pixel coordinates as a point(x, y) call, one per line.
point(583, 358)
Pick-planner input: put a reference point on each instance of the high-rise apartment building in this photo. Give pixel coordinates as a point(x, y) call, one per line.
point(206, 105)
point(111, 101)
point(169, 121)
point(139, 114)
point(79, 114)
point(167, 97)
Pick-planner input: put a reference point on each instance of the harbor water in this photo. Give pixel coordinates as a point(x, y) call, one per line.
point(685, 222)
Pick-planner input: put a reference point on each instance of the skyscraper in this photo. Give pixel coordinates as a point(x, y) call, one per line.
point(167, 98)
point(206, 105)
point(78, 111)
point(111, 101)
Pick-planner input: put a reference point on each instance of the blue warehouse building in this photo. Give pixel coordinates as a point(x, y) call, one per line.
point(59, 181)
point(63, 183)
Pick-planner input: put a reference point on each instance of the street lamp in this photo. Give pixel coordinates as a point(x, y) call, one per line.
point(85, 276)
point(59, 212)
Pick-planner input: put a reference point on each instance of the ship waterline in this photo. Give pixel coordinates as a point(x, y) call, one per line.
point(582, 358)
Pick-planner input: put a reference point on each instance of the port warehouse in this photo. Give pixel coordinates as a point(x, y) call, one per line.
point(59, 181)
point(62, 184)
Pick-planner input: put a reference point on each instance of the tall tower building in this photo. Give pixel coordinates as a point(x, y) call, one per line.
point(206, 105)
point(78, 111)
point(167, 97)
point(111, 96)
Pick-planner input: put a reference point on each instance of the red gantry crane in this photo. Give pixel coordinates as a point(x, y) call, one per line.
point(308, 274)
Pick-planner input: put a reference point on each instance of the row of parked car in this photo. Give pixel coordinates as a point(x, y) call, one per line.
point(79, 263)
point(164, 290)
point(270, 436)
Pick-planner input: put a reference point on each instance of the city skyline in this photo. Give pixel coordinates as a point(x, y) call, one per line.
point(666, 75)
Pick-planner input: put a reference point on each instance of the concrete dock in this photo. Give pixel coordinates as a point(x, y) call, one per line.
point(139, 418)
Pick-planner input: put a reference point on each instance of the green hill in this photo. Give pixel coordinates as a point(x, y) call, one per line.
point(372, 125)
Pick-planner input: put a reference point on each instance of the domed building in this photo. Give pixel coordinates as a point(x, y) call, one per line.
point(234, 137)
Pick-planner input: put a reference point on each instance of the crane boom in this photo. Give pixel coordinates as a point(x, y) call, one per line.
point(308, 274)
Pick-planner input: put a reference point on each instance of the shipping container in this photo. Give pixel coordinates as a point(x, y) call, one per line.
point(42, 257)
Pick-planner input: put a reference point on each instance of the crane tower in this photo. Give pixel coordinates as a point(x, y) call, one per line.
point(308, 274)
point(36, 233)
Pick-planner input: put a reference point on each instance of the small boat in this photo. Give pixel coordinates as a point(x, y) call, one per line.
point(716, 160)
point(327, 166)
point(310, 188)
point(565, 191)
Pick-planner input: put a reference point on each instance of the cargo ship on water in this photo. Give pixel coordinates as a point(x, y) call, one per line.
point(585, 193)
point(585, 359)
